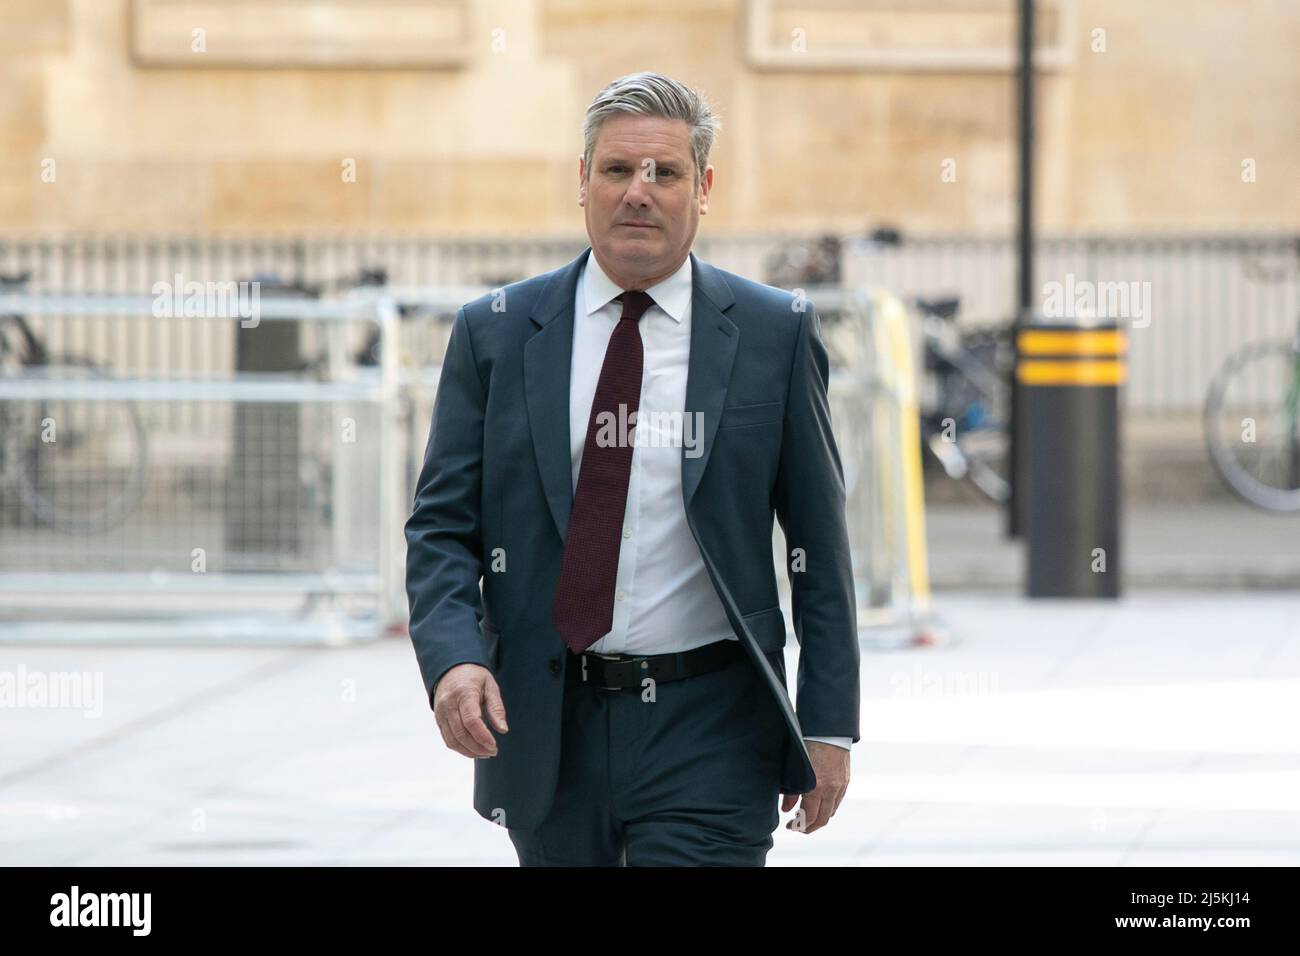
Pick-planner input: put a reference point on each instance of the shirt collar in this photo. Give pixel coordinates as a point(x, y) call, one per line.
point(672, 294)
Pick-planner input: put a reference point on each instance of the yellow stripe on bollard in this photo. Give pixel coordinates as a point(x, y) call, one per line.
point(1072, 342)
point(1040, 372)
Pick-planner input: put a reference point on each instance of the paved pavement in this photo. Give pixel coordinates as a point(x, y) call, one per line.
point(1158, 729)
point(1205, 545)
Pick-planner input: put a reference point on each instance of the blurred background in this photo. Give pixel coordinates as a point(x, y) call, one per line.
point(1066, 384)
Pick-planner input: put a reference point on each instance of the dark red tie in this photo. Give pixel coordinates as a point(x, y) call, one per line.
point(584, 597)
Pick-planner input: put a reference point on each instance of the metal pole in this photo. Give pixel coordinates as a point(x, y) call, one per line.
point(393, 483)
point(1017, 503)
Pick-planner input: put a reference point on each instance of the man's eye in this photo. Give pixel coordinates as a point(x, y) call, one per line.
point(666, 172)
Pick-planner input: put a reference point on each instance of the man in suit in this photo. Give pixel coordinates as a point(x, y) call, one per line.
point(609, 444)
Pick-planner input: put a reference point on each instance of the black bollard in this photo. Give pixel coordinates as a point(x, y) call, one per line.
point(1070, 376)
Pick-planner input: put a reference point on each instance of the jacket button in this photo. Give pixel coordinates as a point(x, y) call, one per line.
point(554, 665)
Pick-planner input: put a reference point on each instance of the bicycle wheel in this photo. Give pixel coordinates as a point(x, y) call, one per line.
point(81, 467)
point(1252, 424)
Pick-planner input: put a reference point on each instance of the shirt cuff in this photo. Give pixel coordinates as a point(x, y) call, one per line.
point(845, 742)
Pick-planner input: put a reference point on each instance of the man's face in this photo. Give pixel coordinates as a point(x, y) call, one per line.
point(642, 197)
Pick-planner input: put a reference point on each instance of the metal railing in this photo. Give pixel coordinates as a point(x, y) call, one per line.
point(1209, 294)
point(275, 515)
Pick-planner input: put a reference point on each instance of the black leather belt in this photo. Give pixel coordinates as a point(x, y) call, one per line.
point(624, 671)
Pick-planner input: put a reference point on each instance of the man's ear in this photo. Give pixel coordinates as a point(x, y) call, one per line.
point(706, 183)
point(582, 182)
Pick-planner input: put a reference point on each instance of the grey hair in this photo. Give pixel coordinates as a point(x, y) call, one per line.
point(652, 94)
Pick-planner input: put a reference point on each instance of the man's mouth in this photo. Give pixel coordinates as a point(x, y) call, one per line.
point(638, 225)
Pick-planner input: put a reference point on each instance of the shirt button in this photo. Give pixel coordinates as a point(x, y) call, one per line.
point(627, 532)
point(554, 664)
point(622, 595)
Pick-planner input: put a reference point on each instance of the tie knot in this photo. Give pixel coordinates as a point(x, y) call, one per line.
point(635, 302)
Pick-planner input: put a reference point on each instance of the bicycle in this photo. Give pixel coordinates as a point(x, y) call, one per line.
point(77, 468)
point(965, 425)
point(965, 418)
point(1251, 415)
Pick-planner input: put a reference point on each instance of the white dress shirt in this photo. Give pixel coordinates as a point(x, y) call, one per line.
point(664, 601)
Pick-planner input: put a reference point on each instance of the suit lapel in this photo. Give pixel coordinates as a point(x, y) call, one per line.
point(714, 339)
point(548, 356)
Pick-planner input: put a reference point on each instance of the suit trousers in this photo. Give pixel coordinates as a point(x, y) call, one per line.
point(686, 773)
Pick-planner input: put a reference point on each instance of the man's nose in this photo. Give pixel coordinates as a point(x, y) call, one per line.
point(638, 191)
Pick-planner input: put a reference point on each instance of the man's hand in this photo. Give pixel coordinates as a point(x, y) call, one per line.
point(831, 764)
point(458, 702)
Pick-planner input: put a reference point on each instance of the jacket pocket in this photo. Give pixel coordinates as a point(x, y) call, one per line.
point(768, 628)
point(734, 416)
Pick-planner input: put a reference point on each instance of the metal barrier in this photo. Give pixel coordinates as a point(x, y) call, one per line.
point(275, 516)
point(874, 414)
point(271, 511)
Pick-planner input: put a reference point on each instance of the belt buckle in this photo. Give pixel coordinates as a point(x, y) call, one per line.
point(606, 657)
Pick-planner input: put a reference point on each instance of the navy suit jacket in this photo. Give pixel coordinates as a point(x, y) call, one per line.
point(494, 494)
